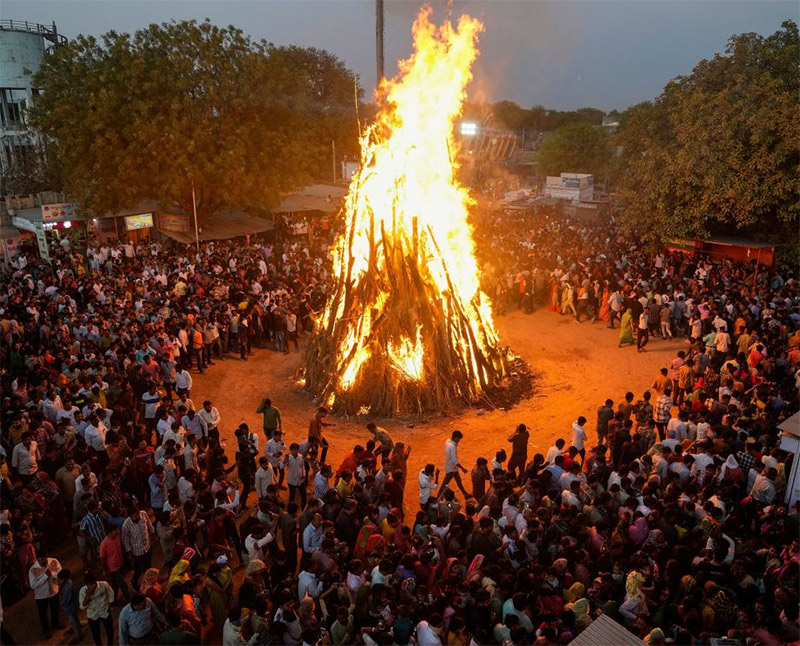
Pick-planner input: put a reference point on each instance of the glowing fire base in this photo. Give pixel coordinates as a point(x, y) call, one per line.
point(406, 328)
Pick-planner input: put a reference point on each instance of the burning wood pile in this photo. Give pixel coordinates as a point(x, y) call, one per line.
point(406, 328)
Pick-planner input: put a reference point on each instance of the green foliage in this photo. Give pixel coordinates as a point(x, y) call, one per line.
point(576, 148)
point(143, 116)
point(719, 149)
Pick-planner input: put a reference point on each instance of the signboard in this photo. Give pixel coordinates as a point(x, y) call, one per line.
point(67, 211)
point(176, 223)
point(141, 221)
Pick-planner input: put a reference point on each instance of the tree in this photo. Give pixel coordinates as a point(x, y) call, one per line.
point(719, 149)
point(576, 148)
point(174, 105)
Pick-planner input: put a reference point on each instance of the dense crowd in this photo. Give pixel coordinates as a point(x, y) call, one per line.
point(672, 522)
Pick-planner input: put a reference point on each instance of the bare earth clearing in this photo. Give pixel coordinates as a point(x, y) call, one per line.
point(578, 366)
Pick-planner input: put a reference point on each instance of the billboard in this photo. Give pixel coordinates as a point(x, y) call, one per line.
point(141, 221)
point(67, 211)
point(175, 223)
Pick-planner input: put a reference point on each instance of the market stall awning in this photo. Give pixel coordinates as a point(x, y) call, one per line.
point(224, 226)
point(317, 197)
point(604, 631)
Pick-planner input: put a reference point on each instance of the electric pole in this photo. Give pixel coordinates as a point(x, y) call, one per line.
point(379, 37)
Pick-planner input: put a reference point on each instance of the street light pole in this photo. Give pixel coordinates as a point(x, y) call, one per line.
point(333, 154)
point(194, 211)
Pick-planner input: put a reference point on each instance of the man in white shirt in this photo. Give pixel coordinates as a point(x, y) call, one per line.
point(186, 486)
point(701, 460)
point(553, 451)
point(722, 342)
point(429, 632)
point(183, 380)
point(52, 406)
point(174, 433)
point(43, 580)
point(579, 436)
point(265, 476)
point(25, 458)
point(95, 434)
point(255, 543)
point(451, 464)
point(211, 417)
point(427, 483)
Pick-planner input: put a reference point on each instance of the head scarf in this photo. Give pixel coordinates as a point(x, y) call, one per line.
point(730, 463)
point(474, 571)
point(179, 573)
point(633, 585)
point(575, 591)
point(148, 580)
point(581, 611)
point(254, 567)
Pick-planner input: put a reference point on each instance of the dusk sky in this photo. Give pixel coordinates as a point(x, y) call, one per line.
point(561, 54)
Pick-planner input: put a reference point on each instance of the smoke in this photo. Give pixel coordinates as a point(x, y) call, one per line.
point(521, 40)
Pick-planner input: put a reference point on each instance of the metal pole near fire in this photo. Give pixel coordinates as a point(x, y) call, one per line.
point(379, 38)
point(194, 212)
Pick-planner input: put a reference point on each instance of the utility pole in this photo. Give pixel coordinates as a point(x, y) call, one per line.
point(196, 230)
point(379, 38)
point(333, 156)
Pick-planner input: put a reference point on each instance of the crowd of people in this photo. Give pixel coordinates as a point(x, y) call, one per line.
point(670, 519)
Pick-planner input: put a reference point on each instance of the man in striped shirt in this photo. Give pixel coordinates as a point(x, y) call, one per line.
point(136, 532)
point(92, 529)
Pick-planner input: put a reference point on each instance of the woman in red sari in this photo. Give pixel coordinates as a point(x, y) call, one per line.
point(555, 305)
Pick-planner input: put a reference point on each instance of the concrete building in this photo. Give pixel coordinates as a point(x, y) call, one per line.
point(22, 46)
point(576, 187)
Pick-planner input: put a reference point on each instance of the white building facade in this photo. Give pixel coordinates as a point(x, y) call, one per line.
point(22, 47)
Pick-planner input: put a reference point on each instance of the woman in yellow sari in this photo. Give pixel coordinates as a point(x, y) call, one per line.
point(179, 573)
point(218, 591)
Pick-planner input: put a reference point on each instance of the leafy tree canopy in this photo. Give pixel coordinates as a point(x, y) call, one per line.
point(719, 149)
point(144, 116)
point(576, 148)
point(509, 115)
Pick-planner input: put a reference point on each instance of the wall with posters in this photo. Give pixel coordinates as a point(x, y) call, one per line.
point(64, 211)
point(174, 223)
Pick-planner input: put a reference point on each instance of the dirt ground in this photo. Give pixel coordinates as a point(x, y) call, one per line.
point(578, 366)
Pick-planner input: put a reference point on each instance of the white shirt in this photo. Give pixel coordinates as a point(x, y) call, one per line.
point(164, 425)
point(426, 487)
point(254, 547)
point(450, 456)
point(51, 408)
point(552, 454)
point(578, 436)
point(426, 636)
point(96, 436)
point(183, 380)
point(264, 478)
point(24, 459)
point(43, 580)
point(211, 418)
point(185, 490)
point(173, 435)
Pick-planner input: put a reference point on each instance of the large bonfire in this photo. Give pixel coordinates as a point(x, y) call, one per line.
point(407, 328)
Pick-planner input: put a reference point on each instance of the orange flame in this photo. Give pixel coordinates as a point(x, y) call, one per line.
point(406, 189)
